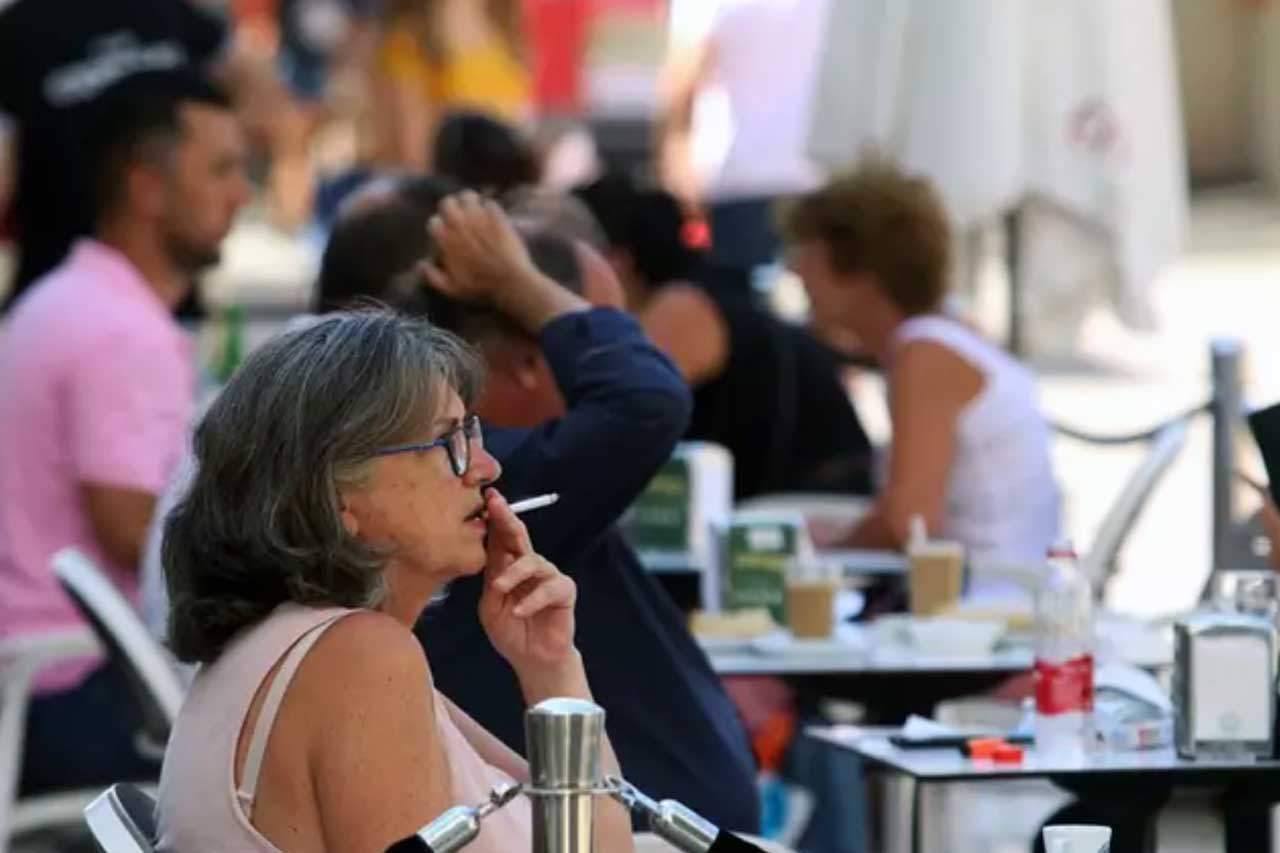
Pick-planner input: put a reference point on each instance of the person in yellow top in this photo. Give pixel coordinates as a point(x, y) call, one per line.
point(436, 55)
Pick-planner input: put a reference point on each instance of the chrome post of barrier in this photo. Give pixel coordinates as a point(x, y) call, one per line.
point(564, 740)
point(1227, 404)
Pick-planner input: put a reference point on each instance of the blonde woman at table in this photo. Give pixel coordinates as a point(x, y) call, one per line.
point(340, 484)
point(970, 448)
point(438, 55)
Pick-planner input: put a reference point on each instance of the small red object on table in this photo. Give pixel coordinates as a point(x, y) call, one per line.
point(984, 749)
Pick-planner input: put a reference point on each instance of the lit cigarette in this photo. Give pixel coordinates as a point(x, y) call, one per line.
point(530, 504)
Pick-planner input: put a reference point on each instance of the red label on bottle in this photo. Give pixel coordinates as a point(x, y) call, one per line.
point(1062, 688)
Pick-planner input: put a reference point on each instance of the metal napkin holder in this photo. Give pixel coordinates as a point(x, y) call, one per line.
point(1206, 722)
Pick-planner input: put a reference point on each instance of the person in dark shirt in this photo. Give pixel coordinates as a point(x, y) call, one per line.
point(56, 58)
point(484, 153)
point(766, 390)
point(598, 410)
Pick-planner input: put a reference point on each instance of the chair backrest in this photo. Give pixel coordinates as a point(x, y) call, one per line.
point(123, 820)
point(21, 660)
point(146, 666)
point(1100, 560)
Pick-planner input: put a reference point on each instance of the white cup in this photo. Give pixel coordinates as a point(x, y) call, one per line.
point(1077, 839)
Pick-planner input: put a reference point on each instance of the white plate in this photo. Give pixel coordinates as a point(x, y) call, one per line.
point(725, 645)
point(846, 642)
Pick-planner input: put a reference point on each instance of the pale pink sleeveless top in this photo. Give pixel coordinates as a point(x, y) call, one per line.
point(200, 807)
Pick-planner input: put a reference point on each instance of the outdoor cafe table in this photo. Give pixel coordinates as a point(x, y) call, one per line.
point(891, 687)
point(893, 683)
point(920, 774)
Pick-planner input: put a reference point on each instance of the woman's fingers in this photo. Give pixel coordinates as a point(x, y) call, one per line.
point(507, 533)
point(508, 579)
point(534, 584)
point(557, 591)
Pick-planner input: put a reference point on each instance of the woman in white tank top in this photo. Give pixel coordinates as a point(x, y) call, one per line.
point(970, 447)
point(340, 484)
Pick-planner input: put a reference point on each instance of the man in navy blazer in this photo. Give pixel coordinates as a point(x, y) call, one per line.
point(577, 402)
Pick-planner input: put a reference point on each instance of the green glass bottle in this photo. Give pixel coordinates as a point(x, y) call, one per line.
point(232, 341)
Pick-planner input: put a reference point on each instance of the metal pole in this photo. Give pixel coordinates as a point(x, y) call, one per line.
point(563, 739)
point(1227, 406)
point(1017, 311)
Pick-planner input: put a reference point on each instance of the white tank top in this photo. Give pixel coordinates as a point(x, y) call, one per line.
point(1003, 502)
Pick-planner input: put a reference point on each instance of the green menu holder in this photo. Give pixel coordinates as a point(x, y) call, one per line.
point(758, 554)
point(659, 518)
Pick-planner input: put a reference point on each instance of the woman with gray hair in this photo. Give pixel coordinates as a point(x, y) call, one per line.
point(340, 484)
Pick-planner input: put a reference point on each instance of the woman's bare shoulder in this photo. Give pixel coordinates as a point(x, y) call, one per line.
point(927, 368)
point(366, 658)
point(372, 745)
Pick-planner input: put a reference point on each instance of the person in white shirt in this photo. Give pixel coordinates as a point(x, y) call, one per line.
point(970, 450)
point(734, 115)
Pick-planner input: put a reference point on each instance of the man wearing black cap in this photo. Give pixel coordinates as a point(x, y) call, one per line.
point(56, 58)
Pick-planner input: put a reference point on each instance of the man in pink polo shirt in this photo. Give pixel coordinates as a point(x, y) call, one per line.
point(98, 384)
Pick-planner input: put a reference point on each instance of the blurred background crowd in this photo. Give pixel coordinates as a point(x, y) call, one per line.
point(1059, 206)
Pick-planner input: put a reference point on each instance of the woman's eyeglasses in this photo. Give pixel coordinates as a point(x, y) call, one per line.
point(457, 442)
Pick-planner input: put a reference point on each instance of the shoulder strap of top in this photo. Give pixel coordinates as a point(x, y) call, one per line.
point(270, 707)
point(928, 327)
point(961, 340)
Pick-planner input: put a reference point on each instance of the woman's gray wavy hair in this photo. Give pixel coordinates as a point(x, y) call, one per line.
point(301, 419)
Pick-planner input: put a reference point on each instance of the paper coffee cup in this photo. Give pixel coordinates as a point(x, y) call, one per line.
point(936, 576)
point(1077, 839)
point(811, 607)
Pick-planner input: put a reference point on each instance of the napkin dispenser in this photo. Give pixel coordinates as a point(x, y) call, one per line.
point(675, 524)
point(1224, 686)
point(761, 545)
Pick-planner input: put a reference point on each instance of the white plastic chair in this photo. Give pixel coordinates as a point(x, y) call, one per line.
point(22, 658)
point(123, 820)
point(147, 666)
point(1099, 562)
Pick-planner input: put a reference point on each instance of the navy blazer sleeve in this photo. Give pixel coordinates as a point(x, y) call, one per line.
point(627, 407)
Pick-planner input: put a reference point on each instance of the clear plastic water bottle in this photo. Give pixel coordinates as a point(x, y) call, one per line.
point(1064, 659)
